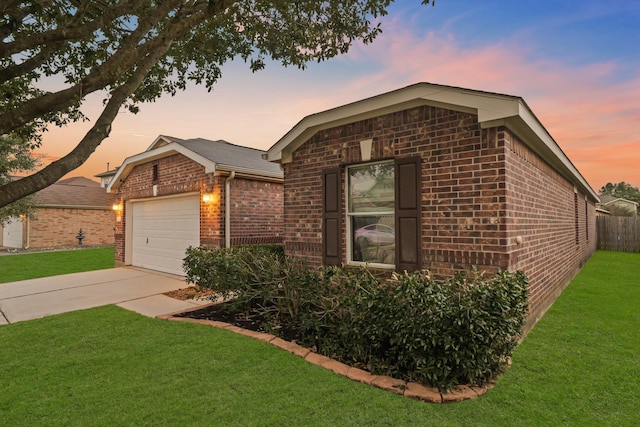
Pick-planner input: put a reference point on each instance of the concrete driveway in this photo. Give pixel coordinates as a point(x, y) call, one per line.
point(135, 289)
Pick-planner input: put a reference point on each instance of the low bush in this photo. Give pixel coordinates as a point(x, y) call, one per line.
point(241, 274)
point(438, 332)
point(460, 330)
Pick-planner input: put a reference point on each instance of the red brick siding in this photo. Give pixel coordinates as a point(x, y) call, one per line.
point(58, 227)
point(256, 210)
point(469, 176)
point(462, 197)
point(541, 211)
point(178, 174)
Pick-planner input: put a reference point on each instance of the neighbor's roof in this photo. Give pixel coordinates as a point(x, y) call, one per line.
point(78, 192)
point(106, 173)
point(608, 199)
point(492, 109)
point(213, 155)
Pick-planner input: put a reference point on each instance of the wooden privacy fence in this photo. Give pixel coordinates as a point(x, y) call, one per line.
point(618, 233)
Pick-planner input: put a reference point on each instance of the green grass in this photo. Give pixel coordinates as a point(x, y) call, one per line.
point(107, 366)
point(44, 264)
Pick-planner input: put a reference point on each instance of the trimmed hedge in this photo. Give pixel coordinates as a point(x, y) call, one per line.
point(460, 330)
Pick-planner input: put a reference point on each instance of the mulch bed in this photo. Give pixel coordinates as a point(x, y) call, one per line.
point(251, 320)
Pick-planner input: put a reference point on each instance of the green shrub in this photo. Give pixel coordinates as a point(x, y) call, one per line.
point(442, 333)
point(461, 330)
point(241, 274)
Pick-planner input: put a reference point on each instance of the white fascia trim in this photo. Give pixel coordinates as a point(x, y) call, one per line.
point(492, 109)
point(158, 139)
point(541, 132)
point(251, 173)
point(487, 106)
point(527, 126)
point(157, 153)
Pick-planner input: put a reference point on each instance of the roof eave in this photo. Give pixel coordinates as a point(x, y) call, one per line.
point(527, 127)
point(253, 173)
point(492, 110)
point(155, 154)
point(487, 106)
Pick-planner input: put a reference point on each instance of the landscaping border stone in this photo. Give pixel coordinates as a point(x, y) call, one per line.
point(408, 389)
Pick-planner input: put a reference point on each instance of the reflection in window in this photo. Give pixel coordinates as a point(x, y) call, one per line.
point(370, 209)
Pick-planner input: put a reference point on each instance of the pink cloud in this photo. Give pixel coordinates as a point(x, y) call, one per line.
point(593, 117)
point(581, 106)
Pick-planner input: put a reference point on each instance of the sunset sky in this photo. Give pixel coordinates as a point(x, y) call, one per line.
point(576, 64)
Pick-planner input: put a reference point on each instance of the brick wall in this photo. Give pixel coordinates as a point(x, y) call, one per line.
point(541, 213)
point(469, 178)
point(257, 212)
point(58, 227)
point(463, 199)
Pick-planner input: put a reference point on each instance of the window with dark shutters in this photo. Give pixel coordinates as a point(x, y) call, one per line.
point(331, 217)
point(408, 236)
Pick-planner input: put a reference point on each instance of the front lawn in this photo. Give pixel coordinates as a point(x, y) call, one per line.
point(107, 366)
point(44, 264)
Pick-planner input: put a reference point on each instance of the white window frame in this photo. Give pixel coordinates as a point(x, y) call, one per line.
point(350, 215)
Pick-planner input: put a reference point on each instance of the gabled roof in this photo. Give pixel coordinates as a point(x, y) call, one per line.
point(162, 140)
point(213, 155)
point(608, 199)
point(76, 192)
point(492, 109)
point(106, 173)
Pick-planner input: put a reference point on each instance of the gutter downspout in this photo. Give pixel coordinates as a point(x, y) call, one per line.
point(227, 209)
point(28, 242)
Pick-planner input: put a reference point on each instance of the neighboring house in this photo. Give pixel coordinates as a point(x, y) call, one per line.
point(478, 182)
point(617, 206)
point(180, 193)
point(106, 176)
point(63, 209)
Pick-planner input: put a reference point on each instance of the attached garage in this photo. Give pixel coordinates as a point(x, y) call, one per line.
point(162, 230)
point(12, 233)
point(193, 192)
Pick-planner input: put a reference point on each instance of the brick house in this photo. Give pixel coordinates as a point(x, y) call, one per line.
point(194, 192)
point(440, 178)
point(62, 210)
point(617, 206)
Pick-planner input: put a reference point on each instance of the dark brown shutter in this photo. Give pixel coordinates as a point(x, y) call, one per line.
point(331, 217)
point(408, 196)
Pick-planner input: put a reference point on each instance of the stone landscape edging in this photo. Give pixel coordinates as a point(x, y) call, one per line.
point(408, 389)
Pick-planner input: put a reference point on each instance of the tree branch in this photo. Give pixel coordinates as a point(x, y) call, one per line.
point(30, 64)
point(16, 14)
point(74, 31)
point(101, 76)
point(23, 187)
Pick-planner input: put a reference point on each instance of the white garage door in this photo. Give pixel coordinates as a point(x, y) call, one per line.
point(12, 233)
point(162, 230)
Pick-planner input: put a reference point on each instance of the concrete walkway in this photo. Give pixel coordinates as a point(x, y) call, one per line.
point(135, 289)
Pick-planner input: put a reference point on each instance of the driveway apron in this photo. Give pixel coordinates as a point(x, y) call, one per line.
point(135, 289)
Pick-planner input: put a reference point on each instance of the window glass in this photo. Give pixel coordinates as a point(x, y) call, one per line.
point(370, 211)
point(371, 188)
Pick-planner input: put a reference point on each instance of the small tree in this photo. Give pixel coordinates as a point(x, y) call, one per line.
point(15, 157)
point(136, 50)
point(621, 190)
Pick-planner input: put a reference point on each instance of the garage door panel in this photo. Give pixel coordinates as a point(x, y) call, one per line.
point(162, 230)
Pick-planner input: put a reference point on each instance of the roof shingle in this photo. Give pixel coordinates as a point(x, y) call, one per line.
point(76, 191)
